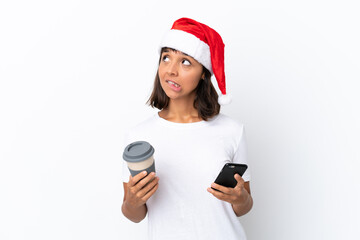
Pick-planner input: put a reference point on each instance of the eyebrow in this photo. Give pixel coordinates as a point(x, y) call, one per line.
point(174, 50)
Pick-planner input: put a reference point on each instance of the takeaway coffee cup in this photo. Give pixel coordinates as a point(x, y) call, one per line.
point(139, 157)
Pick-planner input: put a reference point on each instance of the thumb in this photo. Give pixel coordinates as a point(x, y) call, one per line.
point(239, 179)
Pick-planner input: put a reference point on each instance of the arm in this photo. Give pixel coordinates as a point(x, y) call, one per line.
point(239, 196)
point(244, 206)
point(136, 192)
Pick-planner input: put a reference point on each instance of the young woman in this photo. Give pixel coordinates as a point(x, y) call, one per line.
point(192, 142)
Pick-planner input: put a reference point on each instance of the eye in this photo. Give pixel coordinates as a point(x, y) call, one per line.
point(165, 58)
point(186, 62)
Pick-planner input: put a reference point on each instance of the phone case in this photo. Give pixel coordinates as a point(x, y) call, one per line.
point(226, 176)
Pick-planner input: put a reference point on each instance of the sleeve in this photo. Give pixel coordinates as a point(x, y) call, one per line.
point(125, 171)
point(240, 155)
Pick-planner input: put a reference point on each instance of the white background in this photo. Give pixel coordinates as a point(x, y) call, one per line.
point(75, 74)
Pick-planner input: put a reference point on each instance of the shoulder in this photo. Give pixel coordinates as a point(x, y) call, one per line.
point(144, 124)
point(140, 131)
point(228, 123)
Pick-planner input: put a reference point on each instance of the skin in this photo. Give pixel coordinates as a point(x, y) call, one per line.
point(187, 73)
point(136, 192)
point(239, 196)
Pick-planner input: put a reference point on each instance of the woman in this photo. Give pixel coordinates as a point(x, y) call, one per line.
point(192, 142)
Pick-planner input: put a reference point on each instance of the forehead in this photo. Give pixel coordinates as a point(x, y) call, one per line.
point(174, 51)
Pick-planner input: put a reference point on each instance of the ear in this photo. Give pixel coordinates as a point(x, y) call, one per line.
point(203, 76)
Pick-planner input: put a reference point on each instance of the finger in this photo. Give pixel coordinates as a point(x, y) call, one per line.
point(136, 178)
point(218, 195)
point(150, 193)
point(223, 189)
point(148, 187)
point(139, 185)
point(240, 181)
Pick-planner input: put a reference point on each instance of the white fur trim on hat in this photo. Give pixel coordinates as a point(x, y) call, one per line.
point(224, 99)
point(189, 44)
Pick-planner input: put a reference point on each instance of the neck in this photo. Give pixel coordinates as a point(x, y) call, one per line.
point(181, 111)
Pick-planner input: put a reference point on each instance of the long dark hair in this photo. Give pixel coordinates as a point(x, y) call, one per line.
point(206, 100)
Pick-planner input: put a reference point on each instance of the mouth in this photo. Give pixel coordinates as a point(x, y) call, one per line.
point(174, 86)
point(173, 83)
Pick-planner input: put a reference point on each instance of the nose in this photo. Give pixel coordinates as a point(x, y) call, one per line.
point(172, 69)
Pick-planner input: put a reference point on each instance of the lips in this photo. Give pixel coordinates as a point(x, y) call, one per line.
point(173, 85)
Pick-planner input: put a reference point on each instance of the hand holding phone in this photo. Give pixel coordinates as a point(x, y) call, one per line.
point(226, 175)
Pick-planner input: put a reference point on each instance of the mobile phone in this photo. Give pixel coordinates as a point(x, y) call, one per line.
point(226, 175)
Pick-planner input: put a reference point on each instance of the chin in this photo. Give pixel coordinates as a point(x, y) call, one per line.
point(173, 96)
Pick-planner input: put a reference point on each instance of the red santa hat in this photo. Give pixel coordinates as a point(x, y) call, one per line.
point(202, 43)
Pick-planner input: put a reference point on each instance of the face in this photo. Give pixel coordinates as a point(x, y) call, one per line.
point(179, 74)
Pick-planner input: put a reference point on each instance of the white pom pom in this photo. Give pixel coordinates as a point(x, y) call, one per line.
point(224, 99)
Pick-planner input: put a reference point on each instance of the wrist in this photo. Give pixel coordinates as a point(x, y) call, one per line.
point(131, 207)
point(134, 213)
point(243, 207)
point(244, 200)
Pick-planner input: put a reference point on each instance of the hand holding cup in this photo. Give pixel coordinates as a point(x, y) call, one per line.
point(143, 181)
point(140, 188)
